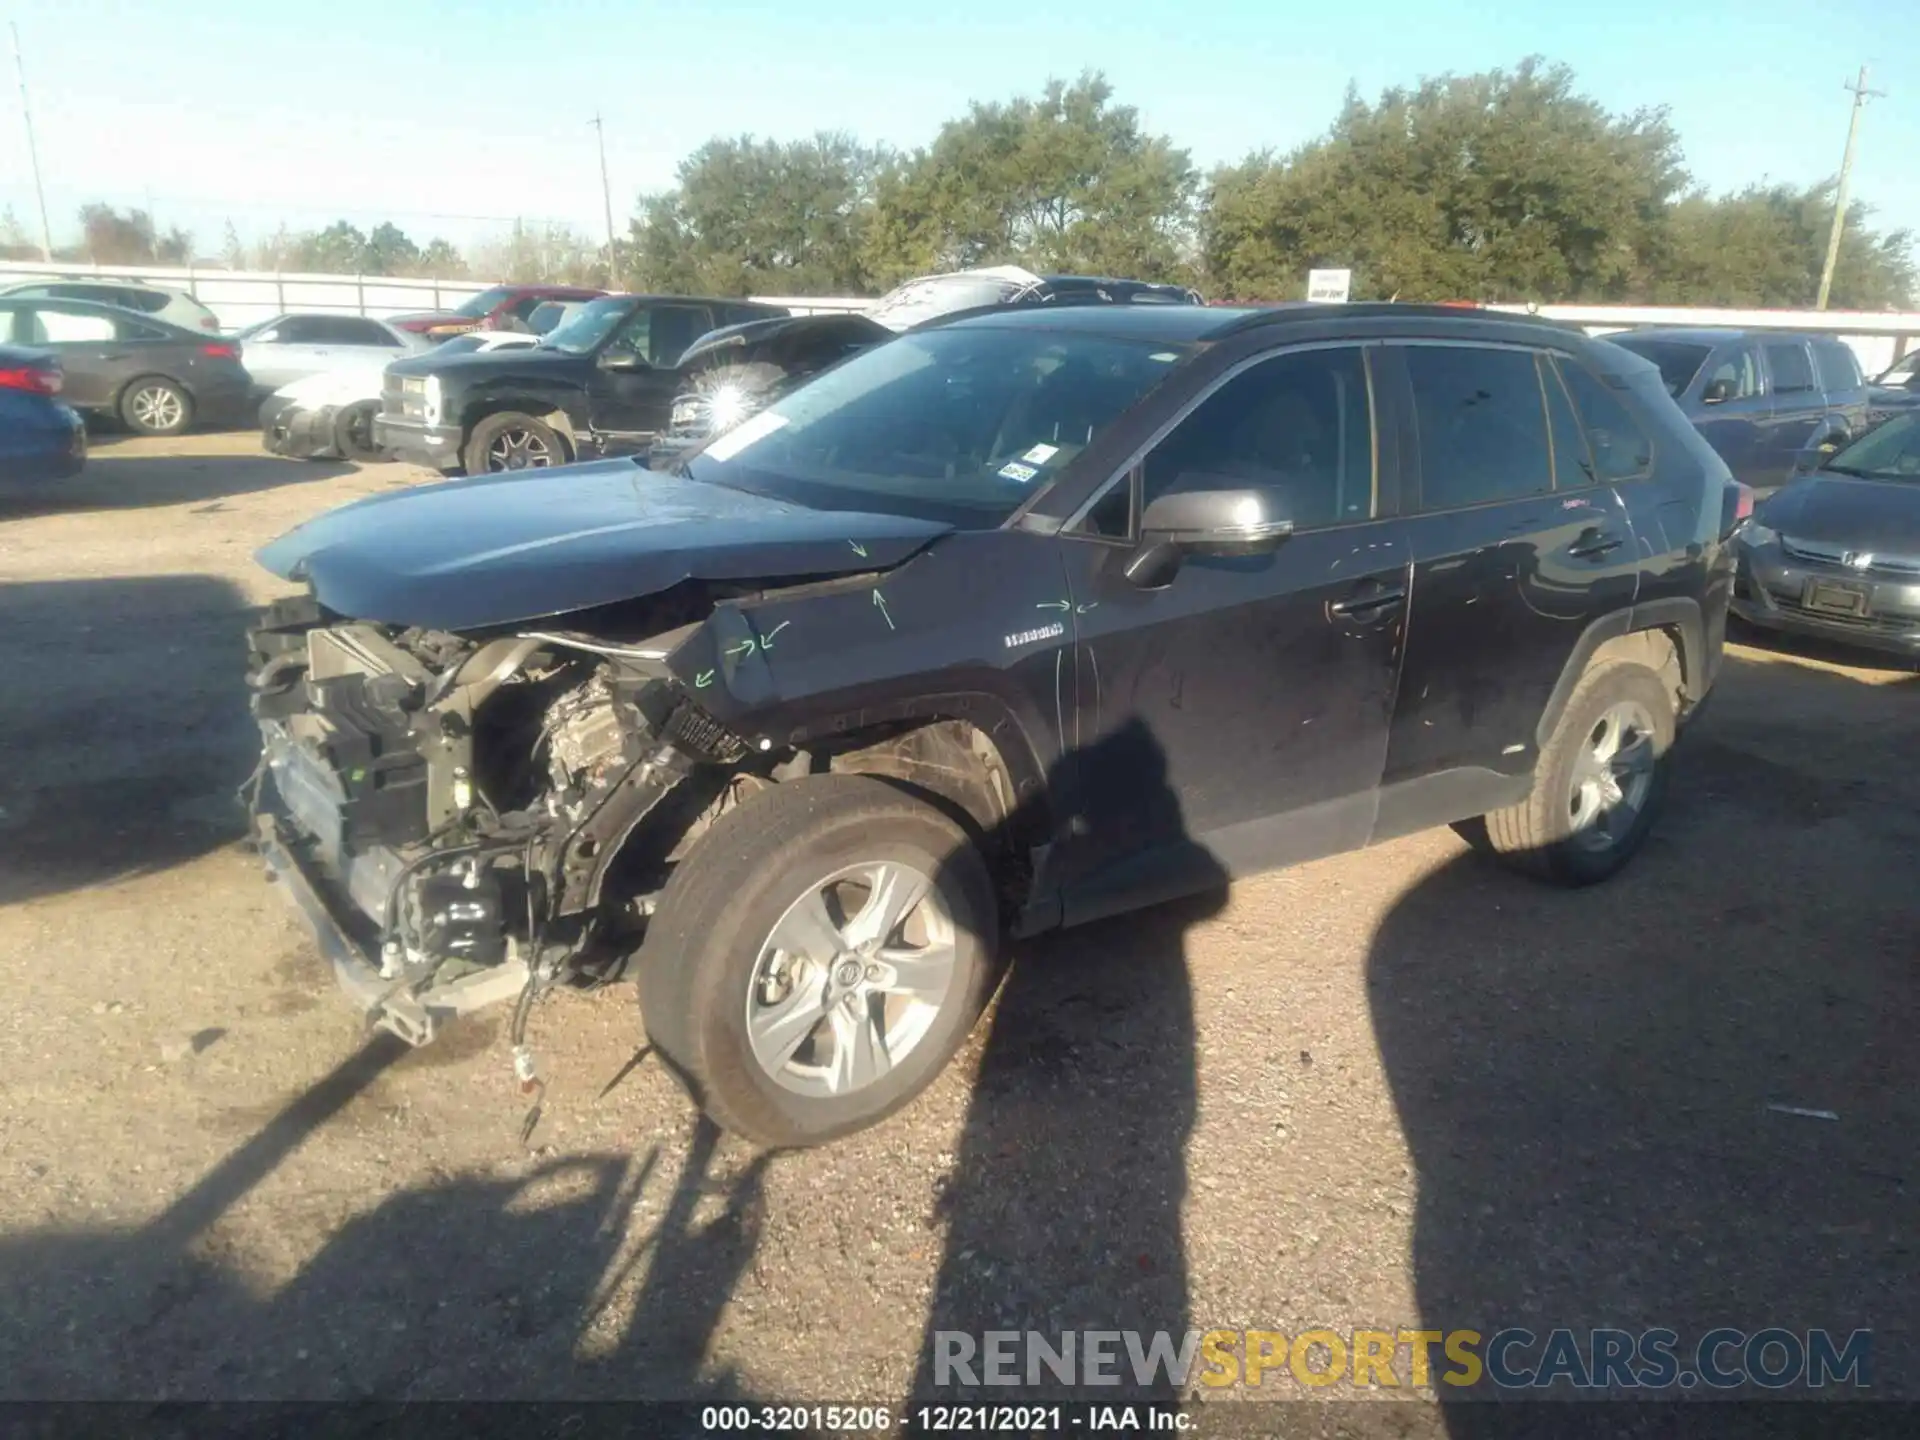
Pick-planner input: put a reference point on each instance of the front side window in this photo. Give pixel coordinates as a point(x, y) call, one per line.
point(1482, 427)
point(583, 331)
point(960, 425)
point(1735, 375)
point(1299, 425)
point(1788, 365)
point(1621, 449)
point(673, 329)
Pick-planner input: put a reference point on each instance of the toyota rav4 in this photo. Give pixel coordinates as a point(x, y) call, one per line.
point(1010, 623)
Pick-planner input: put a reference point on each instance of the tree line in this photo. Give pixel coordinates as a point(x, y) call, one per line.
point(1509, 185)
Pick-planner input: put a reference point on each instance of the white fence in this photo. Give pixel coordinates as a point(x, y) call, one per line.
point(240, 297)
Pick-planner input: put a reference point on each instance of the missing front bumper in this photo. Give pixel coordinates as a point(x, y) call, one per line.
point(384, 1003)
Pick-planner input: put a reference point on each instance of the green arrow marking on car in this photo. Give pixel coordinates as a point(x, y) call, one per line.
point(858, 548)
point(742, 650)
point(1054, 605)
point(703, 679)
point(766, 640)
point(881, 601)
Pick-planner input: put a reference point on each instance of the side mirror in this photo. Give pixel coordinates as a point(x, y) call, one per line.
point(1717, 391)
point(621, 361)
point(1196, 520)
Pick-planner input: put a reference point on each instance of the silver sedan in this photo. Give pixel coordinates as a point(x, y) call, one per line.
point(291, 347)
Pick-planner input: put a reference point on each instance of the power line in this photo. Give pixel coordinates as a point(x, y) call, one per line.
point(33, 149)
point(1860, 96)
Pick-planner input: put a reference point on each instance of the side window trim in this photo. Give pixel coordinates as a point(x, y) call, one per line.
point(1627, 401)
point(1127, 472)
point(1583, 474)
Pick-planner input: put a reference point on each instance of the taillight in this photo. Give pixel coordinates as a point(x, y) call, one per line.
point(33, 380)
point(1743, 507)
point(220, 352)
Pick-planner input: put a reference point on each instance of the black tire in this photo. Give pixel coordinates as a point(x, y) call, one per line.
point(353, 433)
point(704, 943)
point(155, 405)
point(1538, 835)
point(515, 431)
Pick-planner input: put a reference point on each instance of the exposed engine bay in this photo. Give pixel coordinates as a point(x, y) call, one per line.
point(458, 807)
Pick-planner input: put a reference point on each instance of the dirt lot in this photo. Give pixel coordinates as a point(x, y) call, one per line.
point(1393, 1090)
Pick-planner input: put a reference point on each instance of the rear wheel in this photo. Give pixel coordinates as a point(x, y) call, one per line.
point(154, 405)
point(512, 441)
point(818, 957)
point(1599, 785)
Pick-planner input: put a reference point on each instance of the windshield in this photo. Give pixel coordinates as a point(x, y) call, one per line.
point(1679, 362)
point(587, 326)
point(918, 301)
point(1888, 452)
point(478, 307)
point(956, 425)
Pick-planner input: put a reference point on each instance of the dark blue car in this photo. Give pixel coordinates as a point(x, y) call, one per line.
point(40, 439)
point(1773, 404)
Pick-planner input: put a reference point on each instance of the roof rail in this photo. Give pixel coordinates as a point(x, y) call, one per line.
point(1369, 309)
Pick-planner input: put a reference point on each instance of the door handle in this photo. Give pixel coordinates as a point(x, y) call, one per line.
point(1361, 606)
point(1594, 543)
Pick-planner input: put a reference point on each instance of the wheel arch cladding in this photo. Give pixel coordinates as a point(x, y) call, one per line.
point(1663, 635)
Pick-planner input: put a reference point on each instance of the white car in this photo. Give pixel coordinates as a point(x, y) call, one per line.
point(329, 415)
point(176, 307)
point(291, 347)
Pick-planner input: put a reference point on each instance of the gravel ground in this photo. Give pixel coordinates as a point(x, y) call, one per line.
point(1393, 1090)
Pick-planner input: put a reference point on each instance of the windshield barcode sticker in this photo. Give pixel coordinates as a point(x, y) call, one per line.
point(1040, 454)
point(745, 434)
point(1014, 470)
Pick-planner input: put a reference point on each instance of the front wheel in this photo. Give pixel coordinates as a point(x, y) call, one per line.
point(1600, 782)
point(156, 406)
point(512, 441)
point(353, 433)
point(818, 957)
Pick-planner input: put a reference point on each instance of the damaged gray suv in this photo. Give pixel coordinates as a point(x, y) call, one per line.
point(1019, 620)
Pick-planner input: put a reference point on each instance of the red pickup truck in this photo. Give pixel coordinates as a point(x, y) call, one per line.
point(496, 309)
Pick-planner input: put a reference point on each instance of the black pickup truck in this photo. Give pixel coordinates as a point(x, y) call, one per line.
point(601, 384)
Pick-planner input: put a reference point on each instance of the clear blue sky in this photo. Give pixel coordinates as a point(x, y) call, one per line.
point(438, 114)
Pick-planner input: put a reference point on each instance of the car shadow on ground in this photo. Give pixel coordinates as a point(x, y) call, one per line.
point(120, 480)
point(601, 1276)
point(124, 723)
point(1629, 1115)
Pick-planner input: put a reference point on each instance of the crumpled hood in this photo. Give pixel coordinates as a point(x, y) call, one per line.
point(498, 549)
point(1862, 514)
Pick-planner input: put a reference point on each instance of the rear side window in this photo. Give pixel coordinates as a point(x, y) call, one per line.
point(1572, 458)
point(349, 330)
point(71, 327)
point(1836, 365)
point(1482, 427)
point(1787, 362)
point(1621, 449)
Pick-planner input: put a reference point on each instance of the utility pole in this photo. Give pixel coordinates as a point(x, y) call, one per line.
point(606, 195)
point(1860, 96)
point(33, 150)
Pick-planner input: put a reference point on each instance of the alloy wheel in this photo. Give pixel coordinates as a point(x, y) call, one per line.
point(1612, 776)
point(851, 979)
point(518, 449)
point(156, 407)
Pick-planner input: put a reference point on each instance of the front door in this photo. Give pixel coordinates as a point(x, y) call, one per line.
point(1236, 718)
point(1735, 413)
point(1518, 543)
point(632, 392)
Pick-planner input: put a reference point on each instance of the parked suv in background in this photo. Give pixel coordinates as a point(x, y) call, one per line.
point(175, 307)
point(1018, 620)
point(1773, 404)
point(599, 383)
point(1895, 390)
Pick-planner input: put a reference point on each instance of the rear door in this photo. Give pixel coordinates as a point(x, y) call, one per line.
point(1517, 546)
point(286, 351)
point(1255, 689)
point(88, 342)
point(1798, 408)
point(1734, 413)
